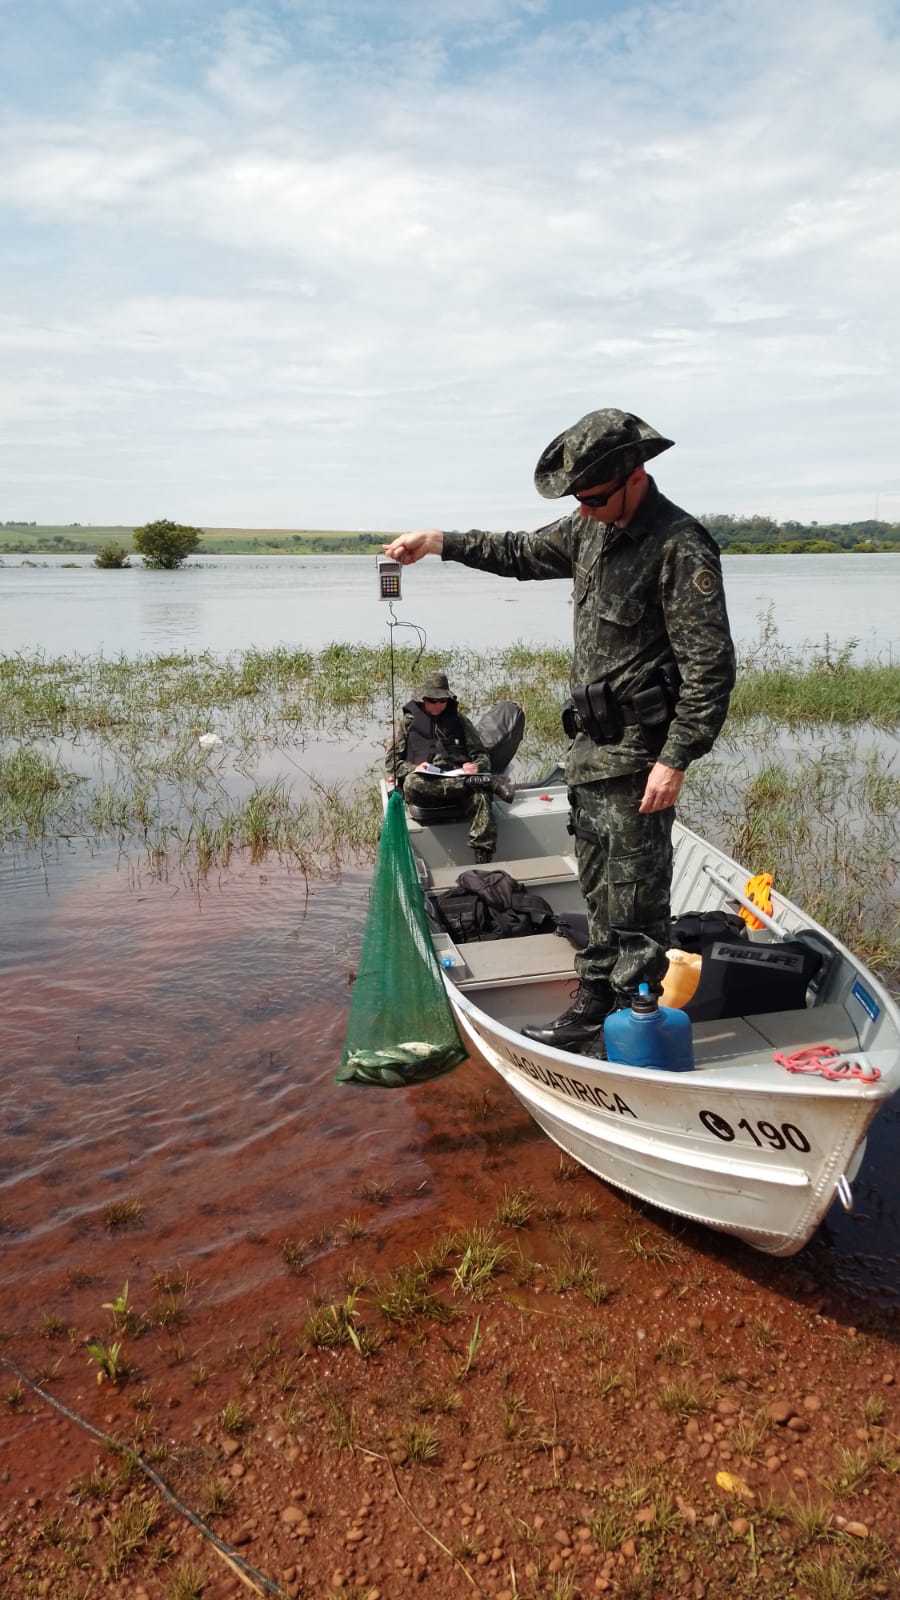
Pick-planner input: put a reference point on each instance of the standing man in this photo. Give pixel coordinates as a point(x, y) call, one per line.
point(652, 671)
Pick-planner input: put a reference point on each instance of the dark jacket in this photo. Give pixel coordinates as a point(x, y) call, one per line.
point(447, 741)
point(644, 596)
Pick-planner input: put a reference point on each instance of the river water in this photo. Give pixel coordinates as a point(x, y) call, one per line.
point(176, 1041)
point(220, 603)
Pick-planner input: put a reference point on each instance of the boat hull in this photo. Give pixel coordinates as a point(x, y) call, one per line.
point(761, 1164)
point(744, 1144)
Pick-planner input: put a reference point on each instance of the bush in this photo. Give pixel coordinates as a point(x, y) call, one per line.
point(166, 544)
point(111, 555)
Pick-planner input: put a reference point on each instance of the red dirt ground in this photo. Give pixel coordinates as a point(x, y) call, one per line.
point(628, 1407)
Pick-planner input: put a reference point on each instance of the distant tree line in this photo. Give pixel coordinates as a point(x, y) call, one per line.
point(764, 536)
point(163, 543)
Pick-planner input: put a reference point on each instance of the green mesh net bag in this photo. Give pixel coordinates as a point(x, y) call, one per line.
point(401, 1029)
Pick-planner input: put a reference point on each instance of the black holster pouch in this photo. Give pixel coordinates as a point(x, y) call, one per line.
point(478, 780)
point(572, 826)
point(653, 710)
point(593, 709)
point(654, 706)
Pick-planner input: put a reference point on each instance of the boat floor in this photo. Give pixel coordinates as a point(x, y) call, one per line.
point(518, 980)
point(530, 979)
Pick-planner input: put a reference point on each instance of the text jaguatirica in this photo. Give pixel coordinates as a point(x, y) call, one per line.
point(592, 1094)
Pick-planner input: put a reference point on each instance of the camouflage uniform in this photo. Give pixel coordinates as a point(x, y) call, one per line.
point(647, 594)
point(424, 789)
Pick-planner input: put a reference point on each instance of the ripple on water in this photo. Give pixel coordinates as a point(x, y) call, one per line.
point(178, 1045)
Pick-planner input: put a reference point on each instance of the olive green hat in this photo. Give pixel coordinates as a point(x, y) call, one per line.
point(600, 447)
point(436, 687)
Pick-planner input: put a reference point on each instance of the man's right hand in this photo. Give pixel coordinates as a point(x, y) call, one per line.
point(409, 547)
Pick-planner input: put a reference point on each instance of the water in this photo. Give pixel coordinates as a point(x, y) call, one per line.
point(178, 1045)
point(66, 606)
point(177, 1042)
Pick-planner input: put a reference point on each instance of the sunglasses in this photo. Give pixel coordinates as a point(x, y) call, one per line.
point(600, 497)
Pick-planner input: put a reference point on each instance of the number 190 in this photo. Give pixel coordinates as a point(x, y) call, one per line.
point(767, 1133)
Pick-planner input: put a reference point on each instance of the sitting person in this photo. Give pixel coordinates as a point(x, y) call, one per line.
point(434, 733)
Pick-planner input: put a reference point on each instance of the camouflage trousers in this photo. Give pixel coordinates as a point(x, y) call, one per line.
point(424, 791)
point(625, 871)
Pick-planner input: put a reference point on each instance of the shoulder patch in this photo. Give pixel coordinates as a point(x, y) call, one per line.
point(705, 581)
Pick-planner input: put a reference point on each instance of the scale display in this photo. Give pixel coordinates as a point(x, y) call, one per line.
point(388, 579)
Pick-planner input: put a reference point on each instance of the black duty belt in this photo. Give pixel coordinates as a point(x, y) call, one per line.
point(596, 710)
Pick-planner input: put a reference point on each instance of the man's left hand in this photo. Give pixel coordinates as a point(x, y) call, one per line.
point(663, 788)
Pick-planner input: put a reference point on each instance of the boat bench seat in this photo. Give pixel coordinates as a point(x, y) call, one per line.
point(739, 1040)
point(533, 956)
point(530, 870)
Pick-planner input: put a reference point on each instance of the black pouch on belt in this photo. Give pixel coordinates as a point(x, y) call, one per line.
point(653, 710)
point(599, 711)
point(570, 719)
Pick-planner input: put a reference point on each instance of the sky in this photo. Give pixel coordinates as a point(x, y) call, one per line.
point(354, 263)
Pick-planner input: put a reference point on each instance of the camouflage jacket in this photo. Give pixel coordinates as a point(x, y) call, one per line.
point(396, 764)
point(643, 595)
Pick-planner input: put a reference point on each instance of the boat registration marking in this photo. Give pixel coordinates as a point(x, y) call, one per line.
point(783, 1137)
point(585, 1093)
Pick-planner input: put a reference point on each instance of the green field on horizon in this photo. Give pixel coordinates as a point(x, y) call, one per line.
point(88, 538)
point(733, 535)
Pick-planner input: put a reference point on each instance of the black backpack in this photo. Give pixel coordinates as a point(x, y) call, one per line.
point(488, 905)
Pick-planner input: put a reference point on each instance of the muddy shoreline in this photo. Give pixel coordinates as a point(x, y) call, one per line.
point(622, 1405)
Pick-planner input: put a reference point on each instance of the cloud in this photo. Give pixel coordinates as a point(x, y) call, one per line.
point(403, 247)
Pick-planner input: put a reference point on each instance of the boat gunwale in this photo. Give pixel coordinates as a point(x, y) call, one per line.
point(802, 1086)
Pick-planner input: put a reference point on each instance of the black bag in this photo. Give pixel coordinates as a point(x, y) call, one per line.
point(739, 977)
point(694, 931)
point(488, 905)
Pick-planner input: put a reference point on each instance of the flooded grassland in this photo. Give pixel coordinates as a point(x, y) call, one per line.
point(376, 1343)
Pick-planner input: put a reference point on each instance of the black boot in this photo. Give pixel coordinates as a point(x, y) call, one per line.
point(578, 1026)
point(596, 1050)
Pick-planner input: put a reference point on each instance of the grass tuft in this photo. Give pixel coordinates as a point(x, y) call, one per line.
point(119, 1214)
point(481, 1258)
point(514, 1208)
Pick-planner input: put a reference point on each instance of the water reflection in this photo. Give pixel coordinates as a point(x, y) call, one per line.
point(177, 1043)
point(164, 620)
point(224, 603)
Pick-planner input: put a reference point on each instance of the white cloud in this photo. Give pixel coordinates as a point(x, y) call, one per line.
point(399, 248)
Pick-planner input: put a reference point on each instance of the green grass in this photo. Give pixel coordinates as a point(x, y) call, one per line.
point(514, 1208)
point(129, 1532)
point(74, 539)
point(797, 784)
point(233, 1418)
point(37, 795)
point(481, 1257)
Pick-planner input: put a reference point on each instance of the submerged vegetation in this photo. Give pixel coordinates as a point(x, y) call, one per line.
point(173, 756)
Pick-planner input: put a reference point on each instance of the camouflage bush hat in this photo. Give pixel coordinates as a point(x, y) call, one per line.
point(436, 687)
point(600, 447)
